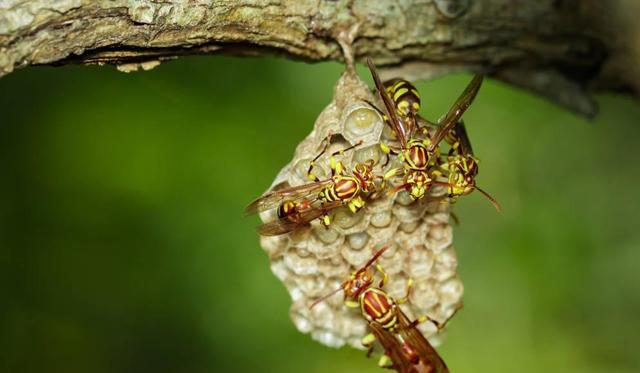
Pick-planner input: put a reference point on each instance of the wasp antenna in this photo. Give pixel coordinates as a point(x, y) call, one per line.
point(325, 297)
point(397, 189)
point(493, 201)
point(370, 62)
point(373, 258)
point(440, 183)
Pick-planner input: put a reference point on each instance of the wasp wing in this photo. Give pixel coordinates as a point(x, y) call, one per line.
point(429, 357)
point(393, 348)
point(460, 132)
point(393, 120)
point(455, 113)
point(274, 198)
point(302, 218)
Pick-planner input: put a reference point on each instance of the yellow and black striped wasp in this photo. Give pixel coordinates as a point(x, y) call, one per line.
point(461, 166)
point(405, 348)
point(419, 153)
point(299, 205)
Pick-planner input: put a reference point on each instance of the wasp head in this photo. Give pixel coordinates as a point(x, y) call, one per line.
point(418, 182)
point(364, 173)
point(357, 283)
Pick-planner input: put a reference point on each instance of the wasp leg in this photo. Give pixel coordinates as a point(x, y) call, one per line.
point(337, 168)
point(383, 115)
point(439, 325)
point(454, 149)
point(342, 151)
point(392, 173)
point(355, 204)
point(325, 220)
point(351, 303)
point(388, 151)
point(405, 299)
point(368, 341)
point(385, 362)
point(385, 276)
point(310, 174)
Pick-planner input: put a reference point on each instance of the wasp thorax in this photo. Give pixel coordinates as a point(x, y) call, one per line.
point(362, 123)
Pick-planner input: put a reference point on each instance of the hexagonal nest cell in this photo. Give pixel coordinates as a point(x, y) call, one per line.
point(312, 261)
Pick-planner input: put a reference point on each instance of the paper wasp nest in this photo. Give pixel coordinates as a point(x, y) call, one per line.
point(313, 261)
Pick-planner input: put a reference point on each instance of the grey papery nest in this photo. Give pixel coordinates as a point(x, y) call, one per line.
point(312, 261)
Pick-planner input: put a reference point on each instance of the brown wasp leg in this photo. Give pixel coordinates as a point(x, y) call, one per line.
point(342, 151)
point(382, 114)
point(385, 276)
point(337, 168)
point(310, 175)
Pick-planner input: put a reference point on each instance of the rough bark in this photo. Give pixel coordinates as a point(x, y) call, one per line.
point(562, 49)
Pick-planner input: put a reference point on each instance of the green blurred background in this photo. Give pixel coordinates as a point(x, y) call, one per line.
point(124, 249)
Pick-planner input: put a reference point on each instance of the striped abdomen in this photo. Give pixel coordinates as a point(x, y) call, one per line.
point(378, 307)
point(405, 97)
point(343, 189)
point(287, 209)
point(416, 155)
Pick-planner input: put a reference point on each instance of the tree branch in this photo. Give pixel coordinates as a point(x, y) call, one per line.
point(562, 49)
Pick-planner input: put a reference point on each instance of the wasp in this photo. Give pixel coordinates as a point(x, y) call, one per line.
point(419, 154)
point(461, 166)
point(405, 348)
point(406, 102)
point(299, 205)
